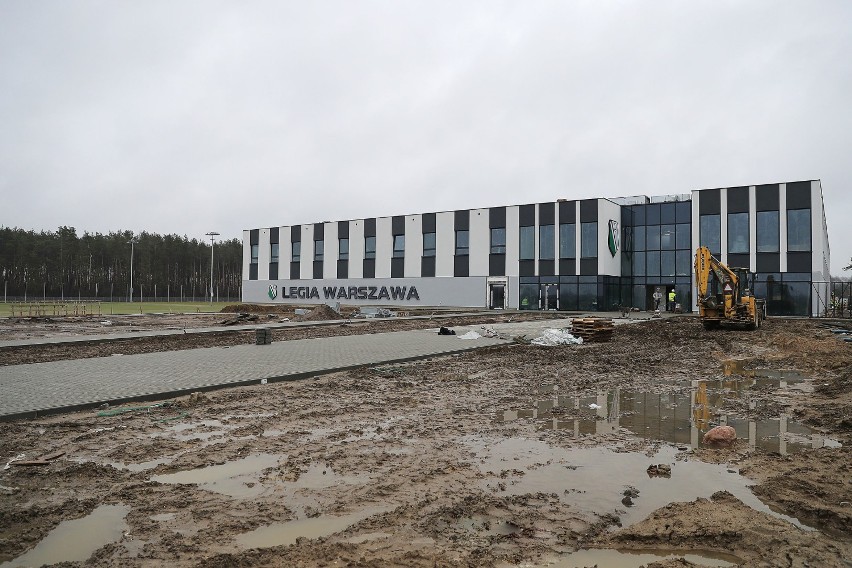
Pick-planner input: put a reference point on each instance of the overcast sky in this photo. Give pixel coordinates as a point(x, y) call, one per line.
point(187, 117)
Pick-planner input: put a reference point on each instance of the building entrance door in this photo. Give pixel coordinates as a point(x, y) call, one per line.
point(496, 296)
point(548, 297)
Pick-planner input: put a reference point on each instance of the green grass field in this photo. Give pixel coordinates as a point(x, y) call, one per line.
point(118, 308)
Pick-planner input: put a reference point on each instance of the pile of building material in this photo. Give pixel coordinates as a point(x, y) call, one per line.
point(263, 336)
point(593, 328)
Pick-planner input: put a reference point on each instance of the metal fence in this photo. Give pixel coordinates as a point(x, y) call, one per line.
point(833, 299)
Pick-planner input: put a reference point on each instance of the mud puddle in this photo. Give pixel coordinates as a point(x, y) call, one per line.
point(680, 417)
point(636, 559)
point(239, 479)
point(597, 480)
point(286, 533)
point(76, 540)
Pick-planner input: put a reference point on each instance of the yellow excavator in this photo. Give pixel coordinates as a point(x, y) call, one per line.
point(724, 295)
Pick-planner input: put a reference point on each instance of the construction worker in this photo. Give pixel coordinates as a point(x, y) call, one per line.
point(672, 300)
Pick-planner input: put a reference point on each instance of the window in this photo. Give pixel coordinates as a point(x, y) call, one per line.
point(638, 264)
point(667, 263)
point(738, 233)
point(343, 249)
point(498, 241)
point(639, 238)
point(567, 240)
point(652, 263)
point(652, 238)
point(398, 246)
point(588, 240)
point(667, 237)
point(369, 247)
point(799, 230)
point(296, 251)
point(273, 253)
point(462, 243)
point(319, 250)
point(527, 243)
point(710, 232)
point(546, 242)
point(683, 237)
point(254, 253)
point(767, 231)
point(428, 244)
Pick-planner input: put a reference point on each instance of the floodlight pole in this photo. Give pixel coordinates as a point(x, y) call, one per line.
point(212, 235)
point(132, 242)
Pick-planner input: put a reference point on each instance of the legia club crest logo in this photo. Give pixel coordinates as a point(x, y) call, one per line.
point(614, 240)
point(273, 291)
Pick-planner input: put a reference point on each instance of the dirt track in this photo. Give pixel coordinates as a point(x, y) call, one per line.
point(492, 458)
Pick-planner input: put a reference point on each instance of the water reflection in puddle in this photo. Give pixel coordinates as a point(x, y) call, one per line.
point(636, 559)
point(238, 478)
point(680, 417)
point(76, 540)
point(594, 480)
point(283, 534)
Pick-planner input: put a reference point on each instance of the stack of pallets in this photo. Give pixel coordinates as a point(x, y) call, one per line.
point(592, 328)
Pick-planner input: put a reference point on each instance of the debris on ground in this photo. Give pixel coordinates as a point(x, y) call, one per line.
point(720, 436)
point(470, 335)
point(593, 328)
point(320, 313)
point(659, 470)
point(446, 331)
point(552, 337)
point(240, 319)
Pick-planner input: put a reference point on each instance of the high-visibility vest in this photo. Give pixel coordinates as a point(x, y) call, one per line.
point(671, 296)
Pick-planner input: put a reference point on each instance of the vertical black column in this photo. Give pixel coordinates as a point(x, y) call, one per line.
point(567, 215)
point(427, 263)
point(343, 264)
point(526, 218)
point(497, 260)
point(319, 235)
point(273, 266)
point(397, 263)
point(588, 214)
point(461, 262)
point(547, 216)
point(295, 237)
point(767, 199)
point(369, 263)
point(254, 240)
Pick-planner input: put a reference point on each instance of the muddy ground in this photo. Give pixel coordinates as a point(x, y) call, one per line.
point(507, 456)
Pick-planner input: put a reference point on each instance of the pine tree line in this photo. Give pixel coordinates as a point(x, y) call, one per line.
point(62, 264)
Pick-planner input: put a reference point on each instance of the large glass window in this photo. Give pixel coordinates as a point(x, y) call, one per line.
point(653, 263)
point(296, 251)
point(738, 233)
point(652, 237)
point(546, 242)
point(667, 263)
point(768, 231)
point(683, 238)
point(343, 249)
point(799, 230)
point(319, 250)
point(667, 237)
point(398, 246)
point(462, 243)
point(527, 243)
point(567, 240)
point(638, 264)
point(587, 296)
point(652, 213)
point(369, 247)
point(710, 233)
point(428, 244)
point(528, 296)
point(588, 240)
point(255, 253)
point(498, 240)
point(273, 252)
point(683, 263)
point(639, 238)
point(667, 214)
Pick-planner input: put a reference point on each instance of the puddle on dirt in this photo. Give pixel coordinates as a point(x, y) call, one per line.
point(203, 430)
point(239, 479)
point(594, 480)
point(481, 525)
point(76, 540)
point(636, 559)
point(141, 466)
point(286, 533)
point(681, 417)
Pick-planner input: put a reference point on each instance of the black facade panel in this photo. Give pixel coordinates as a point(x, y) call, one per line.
point(588, 266)
point(343, 268)
point(254, 236)
point(273, 271)
point(461, 265)
point(546, 267)
point(798, 262)
point(589, 212)
point(546, 213)
point(397, 268)
point(767, 197)
point(319, 231)
point(370, 229)
point(397, 225)
point(343, 229)
point(527, 215)
point(496, 217)
point(769, 262)
point(296, 234)
point(737, 200)
point(370, 267)
point(252, 271)
point(738, 260)
point(462, 221)
point(799, 196)
point(429, 223)
point(710, 202)
point(273, 235)
point(496, 265)
point(567, 267)
point(295, 271)
point(526, 267)
point(317, 269)
point(567, 211)
point(427, 266)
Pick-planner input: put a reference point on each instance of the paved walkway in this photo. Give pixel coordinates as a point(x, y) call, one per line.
point(41, 388)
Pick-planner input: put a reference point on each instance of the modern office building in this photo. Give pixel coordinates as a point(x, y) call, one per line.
point(590, 254)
